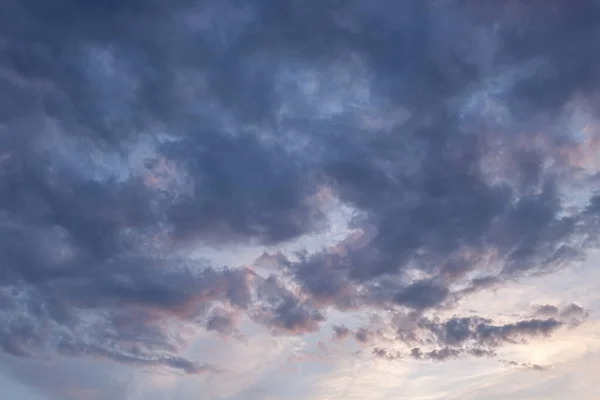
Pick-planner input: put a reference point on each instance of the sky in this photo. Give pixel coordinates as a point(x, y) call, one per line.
point(299, 199)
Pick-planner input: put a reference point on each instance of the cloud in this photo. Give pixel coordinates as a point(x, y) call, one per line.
point(438, 355)
point(422, 294)
point(574, 313)
point(284, 311)
point(363, 335)
point(341, 332)
point(221, 321)
point(526, 366)
point(455, 338)
point(494, 335)
point(387, 354)
point(134, 132)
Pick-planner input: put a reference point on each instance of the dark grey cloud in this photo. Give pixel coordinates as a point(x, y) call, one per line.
point(363, 335)
point(285, 312)
point(572, 310)
point(134, 131)
point(221, 321)
point(136, 357)
point(547, 310)
point(484, 332)
point(118, 315)
point(340, 332)
point(462, 337)
point(572, 314)
point(387, 354)
point(526, 366)
point(249, 191)
point(439, 355)
point(422, 294)
point(442, 354)
point(565, 68)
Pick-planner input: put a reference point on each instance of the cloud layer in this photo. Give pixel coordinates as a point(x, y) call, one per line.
point(462, 134)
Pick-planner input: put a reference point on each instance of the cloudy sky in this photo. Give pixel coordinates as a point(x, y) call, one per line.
point(299, 199)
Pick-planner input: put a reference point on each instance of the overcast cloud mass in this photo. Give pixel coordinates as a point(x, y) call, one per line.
point(286, 199)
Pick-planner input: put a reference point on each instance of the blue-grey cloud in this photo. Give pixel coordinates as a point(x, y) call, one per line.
point(460, 337)
point(134, 131)
point(457, 331)
point(340, 332)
